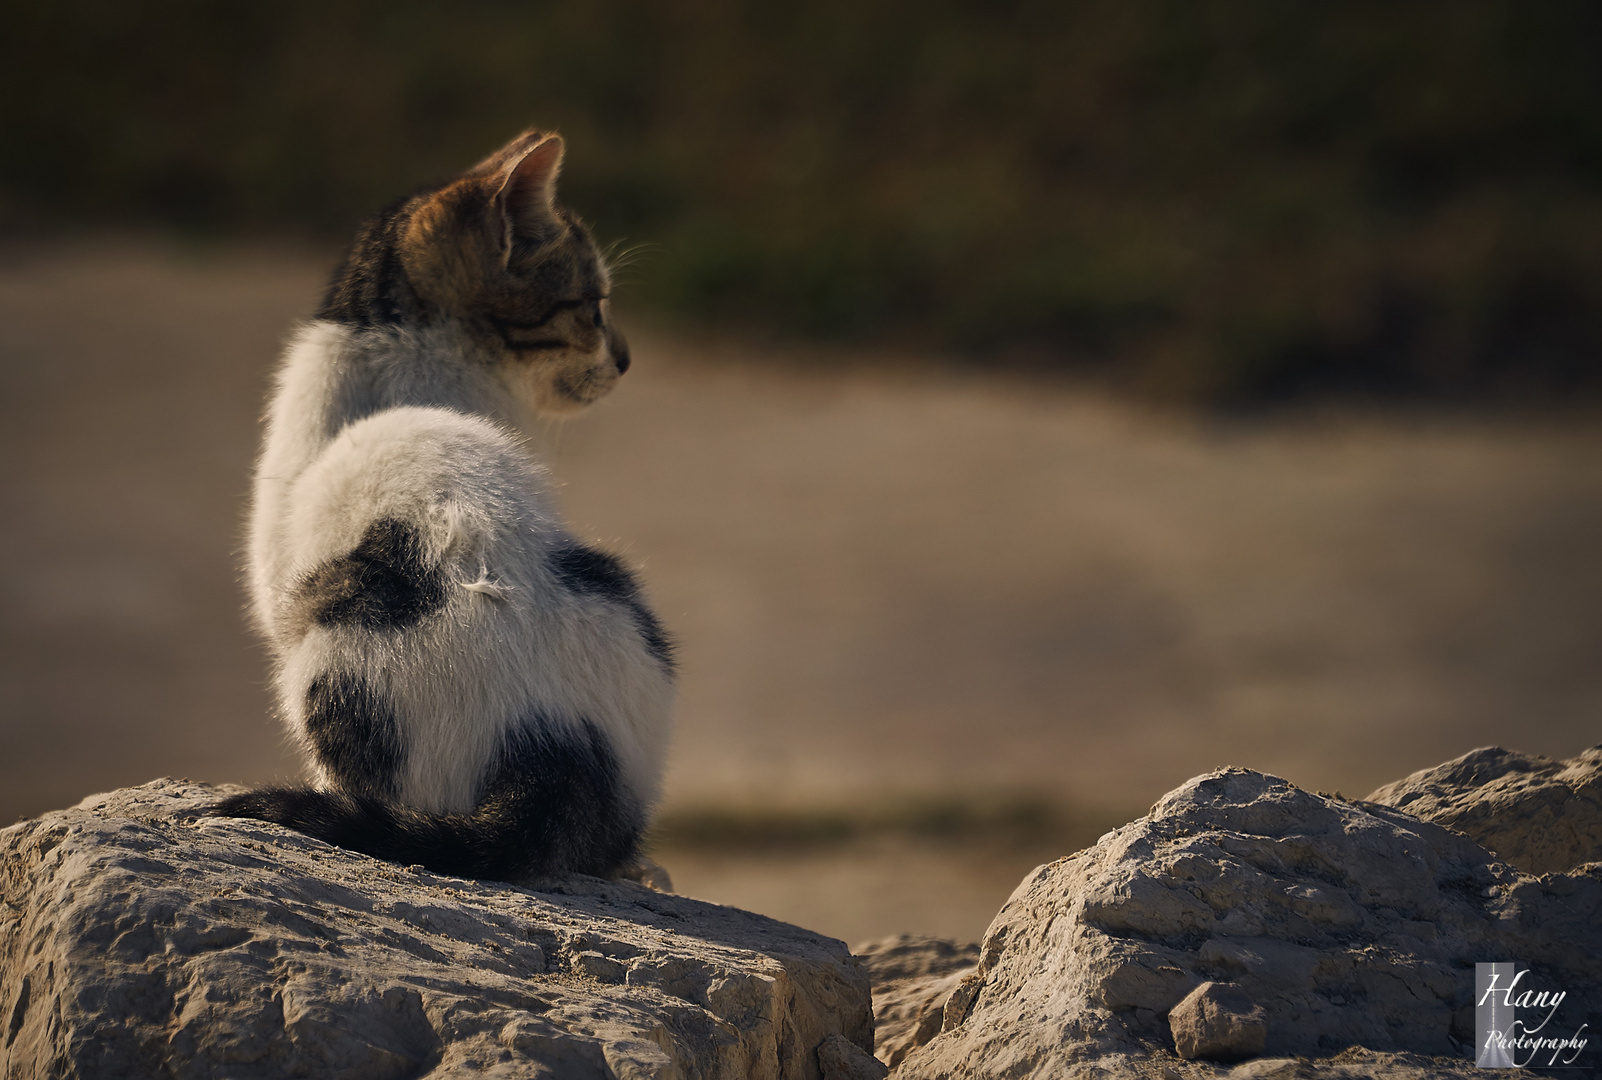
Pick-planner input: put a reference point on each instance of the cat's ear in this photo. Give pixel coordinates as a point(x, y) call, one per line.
point(527, 196)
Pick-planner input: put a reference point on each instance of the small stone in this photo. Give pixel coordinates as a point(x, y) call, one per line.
point(1218, 1022)
point(599, 966)
point(961, 1001)
point(1290, 1069)
point(841, 1059)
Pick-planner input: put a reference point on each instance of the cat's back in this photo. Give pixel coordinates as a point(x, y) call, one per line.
point(461, 481)
point(363, 421)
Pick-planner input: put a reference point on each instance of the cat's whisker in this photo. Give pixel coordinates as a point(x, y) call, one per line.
point(620, 259)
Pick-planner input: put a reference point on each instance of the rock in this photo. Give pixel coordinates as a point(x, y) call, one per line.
point(136, 943)
point(1355, 928)
point(1218, 1022)
point(912, 977)
point(841, 1059)
point(1543, 816)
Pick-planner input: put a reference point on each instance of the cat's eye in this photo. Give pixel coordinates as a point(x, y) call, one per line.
point(596, 317)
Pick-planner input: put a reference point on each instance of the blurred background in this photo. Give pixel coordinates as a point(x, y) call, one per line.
point(1035, 404)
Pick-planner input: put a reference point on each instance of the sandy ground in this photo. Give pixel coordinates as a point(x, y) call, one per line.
point(864, 890)
point(891, 578)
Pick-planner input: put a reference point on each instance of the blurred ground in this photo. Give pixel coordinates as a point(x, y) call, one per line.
point(861, 891)
point(888, 581)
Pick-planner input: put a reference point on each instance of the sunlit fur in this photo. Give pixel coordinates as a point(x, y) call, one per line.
point(461, 313)
point(492, 255)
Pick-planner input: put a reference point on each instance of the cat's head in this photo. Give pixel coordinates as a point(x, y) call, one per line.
point(492, 251)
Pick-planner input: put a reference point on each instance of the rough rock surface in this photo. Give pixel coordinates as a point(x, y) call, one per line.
point(1543, 816)
point(912, 977)
point(1355, 927)
point(136, 943)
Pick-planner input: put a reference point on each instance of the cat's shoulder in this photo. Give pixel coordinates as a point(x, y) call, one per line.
point(421, 462)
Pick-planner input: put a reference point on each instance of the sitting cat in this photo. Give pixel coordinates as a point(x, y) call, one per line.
point(478, 691)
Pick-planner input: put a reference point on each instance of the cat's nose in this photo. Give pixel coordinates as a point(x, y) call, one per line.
point(620, 351)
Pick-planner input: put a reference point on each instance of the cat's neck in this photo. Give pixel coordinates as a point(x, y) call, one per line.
point(335, 374)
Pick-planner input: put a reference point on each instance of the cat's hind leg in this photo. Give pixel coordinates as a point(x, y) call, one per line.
point(553, 803)
point(472, 699)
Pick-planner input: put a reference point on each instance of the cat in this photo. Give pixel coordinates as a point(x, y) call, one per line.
point(477, 691)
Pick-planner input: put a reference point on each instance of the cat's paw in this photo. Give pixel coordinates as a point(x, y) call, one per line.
point(645, 872)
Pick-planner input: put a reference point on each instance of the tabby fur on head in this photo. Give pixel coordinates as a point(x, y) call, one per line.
point(492, 252)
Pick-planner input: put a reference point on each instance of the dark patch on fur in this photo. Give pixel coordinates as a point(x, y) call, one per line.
point(354, 735)
point(594, 572)
point(552, 803)
point(371, 288)
point(561, 786)
point(657, 641)
point(384, 583)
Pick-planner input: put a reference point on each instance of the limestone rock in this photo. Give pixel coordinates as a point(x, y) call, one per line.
point(1543, 816)
point(134, 942)
point(1218, 1022)
point(1355, 927)
point(912, 977)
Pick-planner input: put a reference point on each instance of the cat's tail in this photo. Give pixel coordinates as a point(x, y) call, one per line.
point(509, 837)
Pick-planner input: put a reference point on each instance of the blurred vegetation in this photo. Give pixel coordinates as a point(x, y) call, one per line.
point(997, 822)
point(1210, 201)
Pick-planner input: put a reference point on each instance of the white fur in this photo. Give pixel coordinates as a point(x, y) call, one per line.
point(419, 426)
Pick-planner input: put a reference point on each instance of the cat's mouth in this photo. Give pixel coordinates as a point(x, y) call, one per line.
point(570, 388)
point(558, 378)
point(584, 387)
